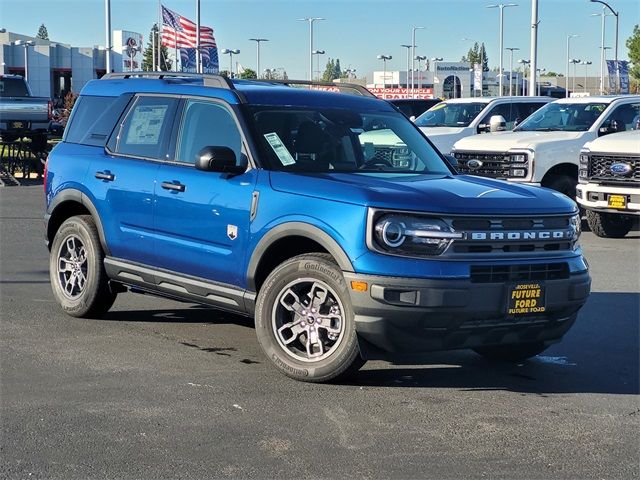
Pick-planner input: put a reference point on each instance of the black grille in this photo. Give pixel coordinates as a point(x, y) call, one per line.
point(599, 168)
point(519, 273)
point(494, 165)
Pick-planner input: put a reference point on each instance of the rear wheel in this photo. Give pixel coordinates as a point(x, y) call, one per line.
point(563, 184)
point(511, 353)
point(78, 278)
point(609, 225)
point(304, 320)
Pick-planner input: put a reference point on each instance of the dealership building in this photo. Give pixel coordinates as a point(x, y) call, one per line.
point(54, 68)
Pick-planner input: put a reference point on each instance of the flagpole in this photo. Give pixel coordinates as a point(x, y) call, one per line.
point(198, 60)
point(159, 34)
point(175, 38)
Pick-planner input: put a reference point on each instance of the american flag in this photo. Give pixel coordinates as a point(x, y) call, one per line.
point(180, 32)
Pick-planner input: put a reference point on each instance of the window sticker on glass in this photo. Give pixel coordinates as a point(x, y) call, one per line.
point(146, 123)
point(280, 150)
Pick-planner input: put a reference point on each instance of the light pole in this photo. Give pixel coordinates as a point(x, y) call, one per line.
point(26, 44)
point(501, 6)
point(318, 53)
point(604, 14)
point(586, 64)
point(413, 56)
point(310, 20)
point(258, 41)
point(540, 72)
point(524, 64)
point(481, 62)
point(574, 61)
point(231, 52)
point(534, 46)
point(511, 49)
point(566, 93)
point(616, 45)
point(435, 61)
point(107, 31)
point(384, 59)
point(420, 58)
point(408, 47)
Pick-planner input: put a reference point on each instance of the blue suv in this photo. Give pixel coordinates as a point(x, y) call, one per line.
point(328, 217)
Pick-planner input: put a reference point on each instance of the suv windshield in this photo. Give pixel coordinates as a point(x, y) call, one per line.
point(565, 117)
point(316, 139)
point(450, 114)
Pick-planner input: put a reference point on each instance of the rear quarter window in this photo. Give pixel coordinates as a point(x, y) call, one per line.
point(94, 118)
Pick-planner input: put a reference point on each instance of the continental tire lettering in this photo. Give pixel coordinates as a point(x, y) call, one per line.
point(295, 371)
point(319, 268)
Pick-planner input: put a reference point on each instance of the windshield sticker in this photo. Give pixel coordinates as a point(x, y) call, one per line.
point(438, 106)
point(146, 123)
point(280, 150)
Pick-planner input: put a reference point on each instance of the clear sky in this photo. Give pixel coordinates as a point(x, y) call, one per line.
point(355, 31)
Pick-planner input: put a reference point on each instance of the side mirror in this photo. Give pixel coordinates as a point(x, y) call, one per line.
point(219, 159)
point(451, 160)
point(497, 123)
point(610, 126)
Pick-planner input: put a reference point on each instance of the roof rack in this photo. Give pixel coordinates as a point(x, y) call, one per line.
point(352, 88)
point(207, 79)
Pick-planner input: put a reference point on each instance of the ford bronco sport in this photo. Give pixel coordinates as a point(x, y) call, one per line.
point(260, 198)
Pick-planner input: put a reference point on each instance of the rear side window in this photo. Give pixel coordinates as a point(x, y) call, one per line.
point(145, 130)
point(13, 87)
point(94, 118)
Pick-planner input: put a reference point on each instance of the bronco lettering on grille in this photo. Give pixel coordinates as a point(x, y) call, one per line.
point(546, 235)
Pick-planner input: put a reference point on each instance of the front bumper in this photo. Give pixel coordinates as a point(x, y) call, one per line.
point(594, 196)
point(403, 315)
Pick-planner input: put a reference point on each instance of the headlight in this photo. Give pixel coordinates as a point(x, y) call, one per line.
point(401, 151)
point(576, 223)
point(518, 158)
point(584, 159)
point(403, 234)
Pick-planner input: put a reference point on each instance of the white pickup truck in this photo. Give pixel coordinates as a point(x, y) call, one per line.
point(609, 188)
point(545, 148)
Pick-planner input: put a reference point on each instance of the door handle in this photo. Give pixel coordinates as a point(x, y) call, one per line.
point(108, 176)
point(176, 187)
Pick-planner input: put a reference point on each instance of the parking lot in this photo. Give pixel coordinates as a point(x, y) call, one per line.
point(163, 389)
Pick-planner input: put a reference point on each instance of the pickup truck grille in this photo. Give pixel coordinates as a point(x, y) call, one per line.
point(384, 154)
point(519, 273)
point(493, 164)
point(600, 168)
point(512, 235)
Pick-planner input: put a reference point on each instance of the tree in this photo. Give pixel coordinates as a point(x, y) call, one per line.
point(148, 55)
point(248, 73)
point(475, 54)
point(42, 32)
point(633, 44)
point(333, 70)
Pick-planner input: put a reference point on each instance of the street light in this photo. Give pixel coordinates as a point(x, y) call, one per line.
point(413, 55)
point(231, 52)
point(310, 20)
point(511, 49)
point(604, 14)
point(420, 58)
point(26, 44)
point(349, 72)
point(318, 53)
point(384, 59)
point(408, 47)
point(502, 6)
point(258, 41)
point(566, 93)
point(586, 64)
point(540, 72)
point(574, 61)
point(616, 46)
point(524, 64)
point(481, 62)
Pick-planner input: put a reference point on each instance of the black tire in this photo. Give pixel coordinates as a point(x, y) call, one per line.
point(511, 353)
point(92, 297)
point(313, 272)
point(39, 143)
point(609, 225)
point(564, 184)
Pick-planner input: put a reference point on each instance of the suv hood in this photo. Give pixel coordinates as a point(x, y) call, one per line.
point(453, 194)
point(504, 141)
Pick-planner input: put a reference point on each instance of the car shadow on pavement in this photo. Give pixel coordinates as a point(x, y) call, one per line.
point(194, 314)
point(600, 354)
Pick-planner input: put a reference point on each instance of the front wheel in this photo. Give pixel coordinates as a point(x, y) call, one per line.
point(78, 278)
point(511, 353)
point(304, 320)
point(564, 184)
point(609, 225)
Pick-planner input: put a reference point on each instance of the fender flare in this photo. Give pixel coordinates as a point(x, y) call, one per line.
point(74, 195)
point(296, 229)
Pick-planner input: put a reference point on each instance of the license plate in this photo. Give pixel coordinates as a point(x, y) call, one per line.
point(526, 299)
point(617, 201)
point(17, 125)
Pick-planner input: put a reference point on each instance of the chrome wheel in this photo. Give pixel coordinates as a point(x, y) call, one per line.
point(72, 267)
point(307, 320)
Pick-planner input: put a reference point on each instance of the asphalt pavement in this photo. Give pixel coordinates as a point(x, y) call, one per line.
point(161, 389)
